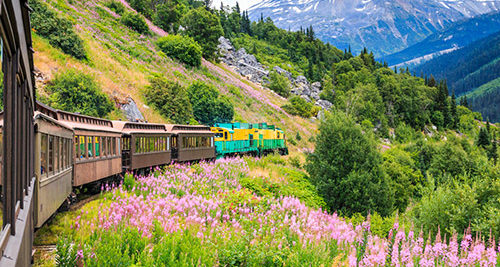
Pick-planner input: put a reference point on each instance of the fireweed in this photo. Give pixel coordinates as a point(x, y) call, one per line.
point(201, 215)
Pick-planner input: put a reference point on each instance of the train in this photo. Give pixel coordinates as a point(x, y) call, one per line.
point(73, 151)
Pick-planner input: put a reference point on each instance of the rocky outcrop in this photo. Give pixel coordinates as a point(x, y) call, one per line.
point(244, 63)
point(248, 66)
point(131, 111)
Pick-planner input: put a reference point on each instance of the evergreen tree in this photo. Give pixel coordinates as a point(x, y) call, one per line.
point(494, 150)
point(454, 115)
point(205, 28)
point(431, 82)
point(483, 139)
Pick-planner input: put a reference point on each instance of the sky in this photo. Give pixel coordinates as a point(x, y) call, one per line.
point(244, 4)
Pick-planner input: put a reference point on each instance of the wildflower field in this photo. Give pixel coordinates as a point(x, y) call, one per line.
point(237, 212)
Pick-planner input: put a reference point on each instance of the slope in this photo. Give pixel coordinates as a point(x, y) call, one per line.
point(121, 60)
point(456, 36)
point(472, 69)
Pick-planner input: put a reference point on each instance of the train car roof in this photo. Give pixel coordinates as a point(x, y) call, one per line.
point(139, 127)
point(195, 129)
point(83, 122)
point(41, 115)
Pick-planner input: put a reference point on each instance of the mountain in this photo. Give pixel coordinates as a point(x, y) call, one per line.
point(473, 70)
point(384, 26)
point(456, 36)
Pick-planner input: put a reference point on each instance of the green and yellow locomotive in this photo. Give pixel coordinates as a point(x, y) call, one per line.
point(248, 138)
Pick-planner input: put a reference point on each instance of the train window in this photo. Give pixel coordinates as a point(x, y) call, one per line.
point(174, 142)
point(97, 146)
point(137, 145)
point(51, 154)
point(56, 154)
point(43, 154)
point(109, 146)
point(63, 153)
point(278, 135)
point(113, 146)
point(225, 135)
point(219, 135)
point(90, 150)
point(82, 147)
point(104, 145)
point(211, 141)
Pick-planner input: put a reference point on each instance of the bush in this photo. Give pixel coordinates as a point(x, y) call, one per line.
point(58, 30)
point(136, 22)
point(115, 6)
point(300, 107)
point(208, 106)
point(346, 168)
point(185, 49)
point(75, 91)
point(279, 84)
point(170, 99)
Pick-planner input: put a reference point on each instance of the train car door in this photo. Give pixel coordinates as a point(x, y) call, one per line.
point(175, 149)
point(250, 138)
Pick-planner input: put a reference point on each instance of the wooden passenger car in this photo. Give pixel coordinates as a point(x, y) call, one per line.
point(53, 166)
point(143, 144)
point(96, 147)
point(191, 142)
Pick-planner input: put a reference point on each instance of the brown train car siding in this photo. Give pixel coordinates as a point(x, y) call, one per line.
point(191, 142)
point(143, 145)
point(96, 147)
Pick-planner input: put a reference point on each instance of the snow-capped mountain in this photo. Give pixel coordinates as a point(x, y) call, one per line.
point(381, 25)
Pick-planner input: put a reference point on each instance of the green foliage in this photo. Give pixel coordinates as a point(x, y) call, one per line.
point(169, 14)
point(57, 29)
point(129, 181)
point(204, 27)
point(300, 107)
point(75, 91)
point(115, 6)
point(65, 253)
point(183, 48)
point(279, 84)
point(170, 99)
point(404, 133)
point(208, 106)
point(347, 168)
point(136, 22)
point(456, 205)
point(327, 92)
point(404, 175)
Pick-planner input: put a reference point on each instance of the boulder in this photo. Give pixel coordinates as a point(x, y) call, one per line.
point(324, 104)
point(131, 111)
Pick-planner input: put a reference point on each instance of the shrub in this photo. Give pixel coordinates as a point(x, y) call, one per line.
point(58, 30)
point(279, 84)
point(300, 107)
point(208, 106)
point(128, 181)
point(75, 91)
point(170, 99)
point(347, 169)
point(115, 6)
point(184, 49)
point(136, 22)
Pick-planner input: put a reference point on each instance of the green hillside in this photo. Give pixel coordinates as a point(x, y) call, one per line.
point(121, 60)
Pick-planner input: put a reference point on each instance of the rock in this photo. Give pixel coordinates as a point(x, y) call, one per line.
point(316, 85)
point(284, 72)
point(306, 98)
point(301, 80)
point(131, 111)
point(324, 104)
point(315, 95)
point(225, 45)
